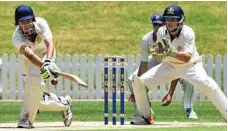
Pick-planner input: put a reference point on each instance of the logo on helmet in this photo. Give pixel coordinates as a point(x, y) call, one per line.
point(157, 17)
point(170, 11)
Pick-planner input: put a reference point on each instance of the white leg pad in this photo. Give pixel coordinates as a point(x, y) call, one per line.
point(52, 102)
point(141, 97)
point(32, 97)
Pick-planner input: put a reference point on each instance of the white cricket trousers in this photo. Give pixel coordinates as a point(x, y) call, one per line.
point(194, 74)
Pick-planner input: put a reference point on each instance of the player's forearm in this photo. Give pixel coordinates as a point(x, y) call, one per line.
point(142, 68)
point(29, 54)
point(50, 48)
point(183, 56)
point(173, 86)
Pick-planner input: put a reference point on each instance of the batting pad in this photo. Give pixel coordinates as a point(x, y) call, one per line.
point(32, 97)
point(52, 102)
point(141, 97)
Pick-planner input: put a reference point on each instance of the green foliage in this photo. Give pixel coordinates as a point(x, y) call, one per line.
point(115, 27)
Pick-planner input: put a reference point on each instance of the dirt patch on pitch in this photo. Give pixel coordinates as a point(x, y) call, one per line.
point(53, 126)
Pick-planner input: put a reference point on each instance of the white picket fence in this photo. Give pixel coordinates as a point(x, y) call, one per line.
point(90, 69)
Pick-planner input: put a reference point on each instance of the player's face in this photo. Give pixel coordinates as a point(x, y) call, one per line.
point(27, 27)
point(156, 26)
point(171, 24)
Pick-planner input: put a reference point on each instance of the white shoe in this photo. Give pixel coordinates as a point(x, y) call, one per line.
point(134, 116)
point(67, 114)
point(191, 114)
point(140, 120)
point(25, 122)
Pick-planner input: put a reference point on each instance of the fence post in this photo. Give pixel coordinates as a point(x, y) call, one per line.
point(90, 77)
point(225, 74)
point(67, 69)
point(83, 68)
point(218, 72)
point(4, 76)
point(75, 71)
point(99, 71)
point(59, 86)
point(12, 71)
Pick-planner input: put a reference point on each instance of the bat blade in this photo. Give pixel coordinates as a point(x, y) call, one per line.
point(73, 78)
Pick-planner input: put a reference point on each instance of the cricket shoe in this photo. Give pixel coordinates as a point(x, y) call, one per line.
point(191, 114)
point(140, 120)
point(25, 122)
point(134, 116)
point(67, 114)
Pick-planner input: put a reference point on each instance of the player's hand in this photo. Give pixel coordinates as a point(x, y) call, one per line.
point(49, 69)
point(167, 48)
point(167, 100)
point(44, 71)
point(53, 68)
point(131, 98)
point(171, 51)
point(156, 54)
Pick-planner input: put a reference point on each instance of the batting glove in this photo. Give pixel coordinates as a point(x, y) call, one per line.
point(49, 69)
point(53, 68)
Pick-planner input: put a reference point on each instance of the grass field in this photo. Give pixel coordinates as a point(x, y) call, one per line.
point(116, 27)
point(93, 111)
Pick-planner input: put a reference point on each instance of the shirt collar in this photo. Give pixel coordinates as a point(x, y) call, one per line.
point(178, 33)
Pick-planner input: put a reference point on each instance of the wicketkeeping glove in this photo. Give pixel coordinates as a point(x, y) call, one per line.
point(156, 54)
point(167, 48)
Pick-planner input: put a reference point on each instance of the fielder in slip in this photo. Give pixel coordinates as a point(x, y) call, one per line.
point(181, 60)
point(148, 62)
point(33, 39)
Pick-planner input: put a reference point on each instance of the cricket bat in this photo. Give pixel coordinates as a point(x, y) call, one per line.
point(72, 77)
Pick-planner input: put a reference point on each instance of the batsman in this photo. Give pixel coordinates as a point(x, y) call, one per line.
point(33, 39)
point(176, 43)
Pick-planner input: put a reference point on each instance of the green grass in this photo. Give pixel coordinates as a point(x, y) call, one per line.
point(116, 27)
point(179, 129)
point(93, 111)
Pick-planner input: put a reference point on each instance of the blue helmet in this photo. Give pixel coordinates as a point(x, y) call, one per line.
point(175, 12)
point(157, 18)
point(23, 12)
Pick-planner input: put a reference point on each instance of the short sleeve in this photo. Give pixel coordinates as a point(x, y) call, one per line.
point(144, 50)
point(159, 34)
point(189, 42)
point(43, 28)
point(17, 39)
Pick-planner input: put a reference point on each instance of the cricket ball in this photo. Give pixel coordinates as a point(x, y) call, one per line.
point(54, 81)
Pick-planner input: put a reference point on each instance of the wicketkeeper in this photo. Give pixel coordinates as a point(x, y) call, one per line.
point(176, 42)
point(150, 57)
